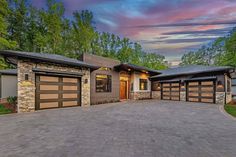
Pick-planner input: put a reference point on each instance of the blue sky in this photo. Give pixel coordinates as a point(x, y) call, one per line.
point(167, 27)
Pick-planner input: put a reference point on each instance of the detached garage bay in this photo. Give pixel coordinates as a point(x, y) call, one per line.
point(170, 91)
point(56, 92)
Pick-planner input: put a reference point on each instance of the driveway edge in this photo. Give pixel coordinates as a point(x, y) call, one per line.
point(222, 110)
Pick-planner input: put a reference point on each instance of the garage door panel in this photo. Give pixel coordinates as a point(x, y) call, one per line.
point(170, 91)
point(46, 105)
point(49, 87)
point(204, 92)
point(57, 91)
point(49, 79)
point(70, 95)
point(69, 103)
point(193, 83)
point(70, 88)
point(49, 96)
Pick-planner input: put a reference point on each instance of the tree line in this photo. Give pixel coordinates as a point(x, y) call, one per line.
point(27, 28)
point(221, 52)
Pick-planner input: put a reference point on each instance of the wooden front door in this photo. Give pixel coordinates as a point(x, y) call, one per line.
point(123, 89)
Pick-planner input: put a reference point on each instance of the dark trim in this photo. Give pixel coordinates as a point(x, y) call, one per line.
point(200, 79)
point(170, 81)
point(56, 73)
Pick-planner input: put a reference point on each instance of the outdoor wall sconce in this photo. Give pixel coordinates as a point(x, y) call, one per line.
point(220, 85)
point(86, 81)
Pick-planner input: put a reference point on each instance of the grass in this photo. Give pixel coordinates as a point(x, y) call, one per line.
point(4, 110)
point(231, 109)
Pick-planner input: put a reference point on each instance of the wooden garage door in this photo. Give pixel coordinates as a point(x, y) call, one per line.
point(56, 92)
point(170, 91)
point(201, 91)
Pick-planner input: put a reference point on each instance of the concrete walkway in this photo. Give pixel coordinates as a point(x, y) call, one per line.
point(149, 128)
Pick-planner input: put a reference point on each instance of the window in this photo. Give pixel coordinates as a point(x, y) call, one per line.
point(143, 84)
point(103, 83)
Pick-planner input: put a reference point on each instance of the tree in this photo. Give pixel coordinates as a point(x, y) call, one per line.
point(83, 31)
point(154, 61)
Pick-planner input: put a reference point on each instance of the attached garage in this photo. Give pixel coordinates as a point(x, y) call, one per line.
point(170, 91)
point(57, 91)
point(201, 91)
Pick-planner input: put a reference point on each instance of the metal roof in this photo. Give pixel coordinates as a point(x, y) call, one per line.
point(9, 71)
point(47, 58)
point(191, 69)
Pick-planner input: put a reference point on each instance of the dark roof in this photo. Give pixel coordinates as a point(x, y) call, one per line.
point(47, 58)
point(201, 78)
point(191, 69)
point(9, 71)
point(127, 66)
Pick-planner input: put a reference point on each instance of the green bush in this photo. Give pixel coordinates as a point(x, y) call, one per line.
point(4, 110)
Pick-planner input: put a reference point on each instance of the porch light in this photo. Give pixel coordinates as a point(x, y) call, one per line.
point(129, 69)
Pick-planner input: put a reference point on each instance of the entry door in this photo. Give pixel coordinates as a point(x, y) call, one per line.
point(57, 91)
point(123, 89)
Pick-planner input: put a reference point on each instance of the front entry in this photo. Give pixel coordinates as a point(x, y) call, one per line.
point(123, 90)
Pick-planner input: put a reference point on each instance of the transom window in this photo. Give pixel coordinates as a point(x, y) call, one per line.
point(103, 83)
point(143, 84)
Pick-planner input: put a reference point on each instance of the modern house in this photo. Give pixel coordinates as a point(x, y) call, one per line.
point(195, 83)
point(43, 81)
point(115, 81)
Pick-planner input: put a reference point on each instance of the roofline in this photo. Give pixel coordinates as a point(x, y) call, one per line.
point(137, 67)
point(18, 54)
point(183, 74)
point(6, 72)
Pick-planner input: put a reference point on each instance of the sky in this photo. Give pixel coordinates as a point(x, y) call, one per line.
point(167, 27)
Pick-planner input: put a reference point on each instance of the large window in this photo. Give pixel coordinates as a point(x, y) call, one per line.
point(103, 83)
point(143, 84)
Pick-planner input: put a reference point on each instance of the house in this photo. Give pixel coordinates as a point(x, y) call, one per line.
point(115, 81)
point(195, 83)
point(44, 81)
point(50, 81)
point(234, 86)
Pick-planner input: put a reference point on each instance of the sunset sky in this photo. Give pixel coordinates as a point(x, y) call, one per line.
point(168, 27)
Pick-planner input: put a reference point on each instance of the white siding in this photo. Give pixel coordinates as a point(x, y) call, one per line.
point(136, 77)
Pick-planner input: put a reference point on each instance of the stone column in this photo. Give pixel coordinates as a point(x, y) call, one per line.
point(26, 88)
point(182, 96)
point(85, 89)
point(220, 98)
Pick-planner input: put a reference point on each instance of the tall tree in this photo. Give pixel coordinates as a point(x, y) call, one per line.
point(84, 31)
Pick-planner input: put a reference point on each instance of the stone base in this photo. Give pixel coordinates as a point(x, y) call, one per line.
point(228, 97)
point(156, 95)
point(140, 95)
point(220, 98)
point(182, 96)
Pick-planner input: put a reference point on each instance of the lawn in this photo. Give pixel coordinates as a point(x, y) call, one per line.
point(231, 109)
point(4, 110)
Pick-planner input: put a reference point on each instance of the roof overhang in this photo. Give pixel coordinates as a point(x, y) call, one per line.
point(12, 57)
point(132, 67)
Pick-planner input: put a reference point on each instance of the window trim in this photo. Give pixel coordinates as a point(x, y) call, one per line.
point(140, 84)
point(108, 76)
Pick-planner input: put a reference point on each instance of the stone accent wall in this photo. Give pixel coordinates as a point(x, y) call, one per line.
point(156, 95)
point(26, 89)
point(182, 96)
point(220, 98)
point(228, 97)
point(140, 95)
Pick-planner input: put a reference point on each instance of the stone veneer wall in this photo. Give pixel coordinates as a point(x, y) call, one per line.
point(220, 97)
point(140, 95)
point(156, 95)
point(182, 96)
point(228, 97)
point(26, 89)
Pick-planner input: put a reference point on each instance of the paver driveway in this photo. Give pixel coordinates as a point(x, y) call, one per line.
point(128, 129)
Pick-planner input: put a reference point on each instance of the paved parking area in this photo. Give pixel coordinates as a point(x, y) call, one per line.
point(147, 128)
